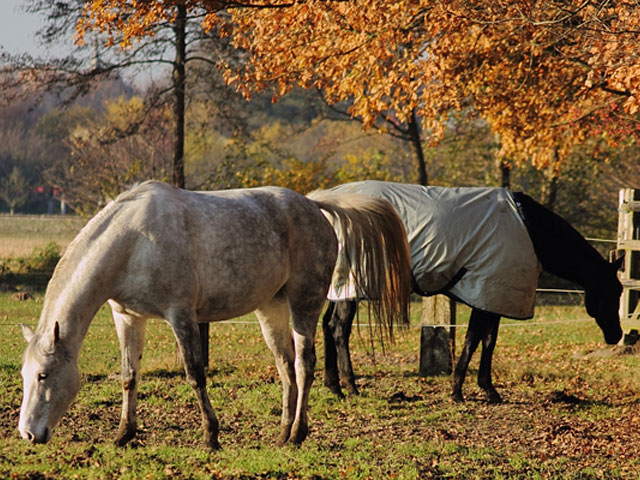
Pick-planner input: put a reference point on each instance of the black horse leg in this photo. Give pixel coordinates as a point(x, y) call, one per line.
point(336, 324)
point(491, 323)
point(475, 333)
point(331, 379)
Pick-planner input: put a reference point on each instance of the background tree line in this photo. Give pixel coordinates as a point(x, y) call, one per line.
point(537, 98)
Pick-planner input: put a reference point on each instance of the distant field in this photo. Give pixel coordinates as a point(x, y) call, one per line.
point(20, 234)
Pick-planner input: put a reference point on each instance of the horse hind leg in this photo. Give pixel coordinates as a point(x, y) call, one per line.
point(185, 328)
point(305, 308)
point(274, 322)
point(488, 345)
point(130, 331)
point(337, 330)
point(331, 377)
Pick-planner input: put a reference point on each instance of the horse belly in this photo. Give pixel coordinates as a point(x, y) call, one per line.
point(236, 287)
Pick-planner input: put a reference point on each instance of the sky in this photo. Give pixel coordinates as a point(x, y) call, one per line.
point(17, 35)
point(17, 29)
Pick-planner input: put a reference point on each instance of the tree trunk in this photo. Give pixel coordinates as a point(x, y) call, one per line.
point(416, 143)
point(550, 189)
point(551, 192)
point(179, 81)
point(437, 343)
point(178, 77)
point(505, 175)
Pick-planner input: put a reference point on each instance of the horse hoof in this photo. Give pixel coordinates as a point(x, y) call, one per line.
point(352, 389)
point(336, 390)
point(124, 436)
point(457, 397)
point(298, 435)
point(494, 398)
point(212, 444)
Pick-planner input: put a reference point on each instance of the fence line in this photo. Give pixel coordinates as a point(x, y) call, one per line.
point(520, 323)
point(602, 240)
point(517, 323)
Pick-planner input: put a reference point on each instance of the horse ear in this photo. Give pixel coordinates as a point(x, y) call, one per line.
point(618, 262)
point(50, 339)
point(56, 332)
point(27, 332)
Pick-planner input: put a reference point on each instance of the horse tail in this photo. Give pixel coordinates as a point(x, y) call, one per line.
point(375, 253)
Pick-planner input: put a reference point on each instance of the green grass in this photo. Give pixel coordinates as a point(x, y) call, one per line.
point(370, 436)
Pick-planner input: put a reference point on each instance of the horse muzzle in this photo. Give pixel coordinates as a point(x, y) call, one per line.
point(33, 435)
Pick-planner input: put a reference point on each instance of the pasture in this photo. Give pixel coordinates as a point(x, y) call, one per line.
point(571, 410)
point(20, 234)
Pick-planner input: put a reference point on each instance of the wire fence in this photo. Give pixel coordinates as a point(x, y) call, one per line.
point(38, 279)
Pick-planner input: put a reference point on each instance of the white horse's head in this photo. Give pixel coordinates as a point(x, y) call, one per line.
point(50, 382)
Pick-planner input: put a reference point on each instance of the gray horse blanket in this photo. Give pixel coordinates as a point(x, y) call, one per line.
point(470, 243)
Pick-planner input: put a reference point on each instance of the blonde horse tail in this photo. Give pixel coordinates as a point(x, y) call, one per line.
point(374, 242)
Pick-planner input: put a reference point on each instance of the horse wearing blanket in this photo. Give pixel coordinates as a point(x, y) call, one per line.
point(188, 257)
point(484, 247)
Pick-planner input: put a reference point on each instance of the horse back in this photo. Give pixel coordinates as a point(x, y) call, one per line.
point(226, 252)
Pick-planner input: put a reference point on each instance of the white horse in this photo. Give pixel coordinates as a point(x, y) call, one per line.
point(189, 257)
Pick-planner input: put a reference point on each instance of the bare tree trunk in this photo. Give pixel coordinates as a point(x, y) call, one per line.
point(505, 175)
point(551, 193)
point(416, 143)
point(437, 344)
point(179, 81)
point(550, 189)
point(179, 77)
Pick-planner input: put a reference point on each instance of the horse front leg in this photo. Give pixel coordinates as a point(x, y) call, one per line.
point(475, 332)
point(492, 322)
point(130, 332)
point(274, 322)
point(186, 330)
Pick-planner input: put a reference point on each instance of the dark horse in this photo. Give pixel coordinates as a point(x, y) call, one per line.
point(554, 244)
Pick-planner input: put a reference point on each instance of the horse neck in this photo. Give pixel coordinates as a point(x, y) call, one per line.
point(561, 249)
point(82, 282)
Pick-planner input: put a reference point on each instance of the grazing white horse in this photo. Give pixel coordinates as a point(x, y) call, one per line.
point(189, 257)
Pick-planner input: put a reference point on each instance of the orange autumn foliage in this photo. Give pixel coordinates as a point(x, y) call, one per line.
point(540, 73)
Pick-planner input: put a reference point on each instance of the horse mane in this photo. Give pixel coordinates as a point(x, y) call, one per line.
point(91, 231)
point(561, 249)
point(92, 227)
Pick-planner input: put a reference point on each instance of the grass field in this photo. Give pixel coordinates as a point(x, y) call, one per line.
point(571, 410)
point(20, 234)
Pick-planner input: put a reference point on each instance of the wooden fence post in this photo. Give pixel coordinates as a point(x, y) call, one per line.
point(437, 342)
point(629, 242)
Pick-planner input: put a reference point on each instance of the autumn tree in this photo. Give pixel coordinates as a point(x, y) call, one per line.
point(24, 154)
point(173, 40)
point(14, 189)
point(538, 73)
point(102, 162)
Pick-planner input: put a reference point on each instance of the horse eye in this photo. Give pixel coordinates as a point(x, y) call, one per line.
point(42, 376)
